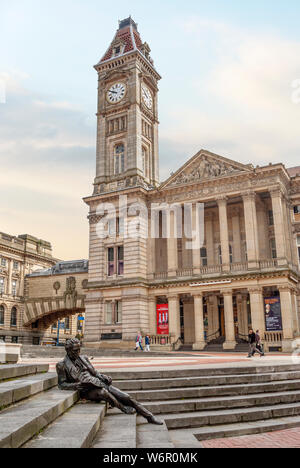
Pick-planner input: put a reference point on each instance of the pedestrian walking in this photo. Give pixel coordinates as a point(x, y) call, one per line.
point(259, 345)
point(147, 343)
point(138, 342)
point(252, 344)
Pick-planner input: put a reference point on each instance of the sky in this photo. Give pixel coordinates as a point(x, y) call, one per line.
point(230, 84)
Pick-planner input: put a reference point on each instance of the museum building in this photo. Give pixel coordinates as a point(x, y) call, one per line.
point(246, 271)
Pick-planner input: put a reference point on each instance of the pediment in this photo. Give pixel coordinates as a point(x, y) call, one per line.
point(205, 166)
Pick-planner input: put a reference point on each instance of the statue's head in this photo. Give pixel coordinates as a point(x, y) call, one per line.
point(72, 347)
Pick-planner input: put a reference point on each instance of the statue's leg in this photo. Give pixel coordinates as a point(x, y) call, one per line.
point(101, 394)
point(126, 400)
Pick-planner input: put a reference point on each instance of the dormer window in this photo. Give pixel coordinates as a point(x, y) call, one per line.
point(118, 49)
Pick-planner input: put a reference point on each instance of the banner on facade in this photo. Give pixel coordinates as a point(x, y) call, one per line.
point(162, 319)
point(273, 314)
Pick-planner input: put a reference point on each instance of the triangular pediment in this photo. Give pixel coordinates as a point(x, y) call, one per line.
point(205, 166)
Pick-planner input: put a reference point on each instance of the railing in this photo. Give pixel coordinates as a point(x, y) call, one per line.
point(185, 272)
point(161, 275)
point(207, 270)
point(272, 263)
point(239, 266)
point(161, 340)
point(274, 337)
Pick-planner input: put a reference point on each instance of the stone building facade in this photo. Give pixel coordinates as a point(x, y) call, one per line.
point(19, 256)
point(250, 249)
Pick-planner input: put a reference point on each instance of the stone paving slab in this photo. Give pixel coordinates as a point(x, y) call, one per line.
point(22, 421)
point(117, 431)
point(15, 390)
point(74, 429)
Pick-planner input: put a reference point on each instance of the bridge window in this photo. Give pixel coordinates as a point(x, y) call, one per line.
point(2, 310)
point(13, 317)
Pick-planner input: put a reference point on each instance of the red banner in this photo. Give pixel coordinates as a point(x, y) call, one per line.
point(162, 319)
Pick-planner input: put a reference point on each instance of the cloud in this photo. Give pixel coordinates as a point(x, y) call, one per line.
point(242, 104)
point(47, 152)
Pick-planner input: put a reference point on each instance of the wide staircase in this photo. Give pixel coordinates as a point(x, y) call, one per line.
point(195, 405)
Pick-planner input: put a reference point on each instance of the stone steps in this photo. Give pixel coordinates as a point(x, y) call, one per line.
point(189, 438)
point(74, 429)
point(179, 382)
point(117, 431)
point(202, 404)
point(20, 370)
point(150, 436)
point(22, 421)
point(13, 391)
point(213, 418)
point(221, 390)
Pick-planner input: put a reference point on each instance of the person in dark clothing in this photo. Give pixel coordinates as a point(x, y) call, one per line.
point(252, 345)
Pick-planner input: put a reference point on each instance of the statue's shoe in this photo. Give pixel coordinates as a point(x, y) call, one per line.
point(128, 410)
point(153, 420)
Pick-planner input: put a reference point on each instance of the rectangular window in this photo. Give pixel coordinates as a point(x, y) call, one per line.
point(298, 247)
point(108, 313)
point(2, 338)
point(121, 226)
point(120, 260)
point(111, 261)
point(112, 227)
point(297, 209)
point(3, 262)
point(14, 287)
point(15, 339)
point(35, 341)
point(2, 284)
point(16, 265)
point(118, 312)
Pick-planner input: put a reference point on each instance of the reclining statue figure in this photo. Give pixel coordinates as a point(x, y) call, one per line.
point(76, 372)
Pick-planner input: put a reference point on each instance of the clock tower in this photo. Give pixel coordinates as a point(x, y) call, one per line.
point(127, 126)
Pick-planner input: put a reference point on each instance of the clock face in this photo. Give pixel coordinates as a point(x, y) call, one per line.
point(147, 97)
point(116, 93)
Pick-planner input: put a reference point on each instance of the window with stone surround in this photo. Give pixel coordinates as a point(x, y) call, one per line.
point(119, 158)
point(203, 255)
point(119, 312)
point(2, 310)
point(108, 313)
point(115, 258)
point(297, 212)
point(3, 262)
point(2, 285)
point(298, 247)
point(16, 265)
point(67, 323)
point(271, 218)
point(14, 287)
point(113, 313)
point(13, 317)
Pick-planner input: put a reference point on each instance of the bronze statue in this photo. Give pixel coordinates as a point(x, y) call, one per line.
point(76, 372)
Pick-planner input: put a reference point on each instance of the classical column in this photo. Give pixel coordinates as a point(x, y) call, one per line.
point(236, 228)
point(172, 247)
point(152, 315)
point(174, 316)
point(9, 278)
point(257, 310)
point(21, 282)
point(279, 226)
point(196, 229)
point(230, 342)
point(210, 238)
point(224, 237)
point(199, 325)
point(151, 257)
point(287, 315)
point(295, 311)
point(249, 200)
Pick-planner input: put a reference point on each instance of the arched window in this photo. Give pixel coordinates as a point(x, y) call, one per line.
point(119, 157)
point(13, 317)
point(2, 315)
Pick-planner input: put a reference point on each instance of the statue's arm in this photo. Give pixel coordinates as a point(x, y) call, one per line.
point(104, 378)
point(63, 383)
